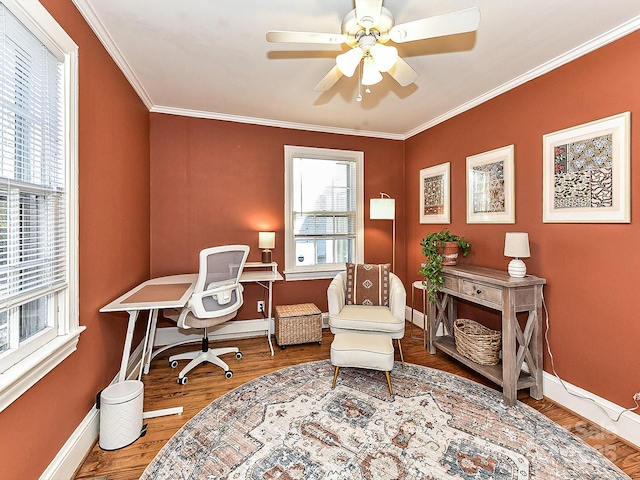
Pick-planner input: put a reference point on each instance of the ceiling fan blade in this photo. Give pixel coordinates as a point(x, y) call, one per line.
point(403, 73)
point(281, 36)
point(329, 80)
point(461, 21)
point(368, 12)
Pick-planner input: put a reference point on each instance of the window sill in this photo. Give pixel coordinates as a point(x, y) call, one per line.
point(26, 373)
point(311, 275)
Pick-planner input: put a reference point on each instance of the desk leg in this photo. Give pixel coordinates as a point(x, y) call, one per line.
point(133, 317)
point(151, 338)
point(269, 319)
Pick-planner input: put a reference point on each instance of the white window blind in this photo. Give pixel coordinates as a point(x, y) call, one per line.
point(32, 182)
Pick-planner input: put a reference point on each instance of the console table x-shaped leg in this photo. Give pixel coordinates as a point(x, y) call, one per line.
point(521, 364)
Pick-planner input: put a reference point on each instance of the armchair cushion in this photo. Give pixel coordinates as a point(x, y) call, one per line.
point(376, 319)
point(367, 284)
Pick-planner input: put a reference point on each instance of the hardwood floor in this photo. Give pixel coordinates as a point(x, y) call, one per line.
point(207, 382)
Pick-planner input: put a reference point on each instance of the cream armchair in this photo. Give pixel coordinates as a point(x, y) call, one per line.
point(368, 318)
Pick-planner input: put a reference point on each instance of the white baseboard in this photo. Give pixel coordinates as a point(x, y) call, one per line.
point(81, 441)
point(232, 329)
point(627, 428)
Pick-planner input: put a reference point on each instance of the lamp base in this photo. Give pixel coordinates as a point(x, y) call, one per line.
point(266, 256)
point(517, 268)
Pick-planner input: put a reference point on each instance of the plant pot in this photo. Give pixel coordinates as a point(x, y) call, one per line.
point(450, 252)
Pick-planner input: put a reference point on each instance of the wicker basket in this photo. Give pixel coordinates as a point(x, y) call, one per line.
point(477, 342)
point(295, 324)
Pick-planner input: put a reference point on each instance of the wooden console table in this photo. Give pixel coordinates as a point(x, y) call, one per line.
point(494, 289)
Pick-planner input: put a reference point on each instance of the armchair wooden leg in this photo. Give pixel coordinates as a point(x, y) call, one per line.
point(401, 355)
point(335, 377)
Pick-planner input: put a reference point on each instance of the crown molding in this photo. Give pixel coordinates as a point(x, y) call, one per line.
point(588, 47)
point(92, 18)
point(274, 123)
point(107, 41)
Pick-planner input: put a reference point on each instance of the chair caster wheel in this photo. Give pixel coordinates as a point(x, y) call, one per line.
point(283, 347)
point(173, 363)
point(182, 381)
point(228, 374)
point(238, 355)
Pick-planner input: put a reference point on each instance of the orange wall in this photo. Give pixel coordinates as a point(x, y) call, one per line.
point(590, 292)
point(216, 182)
point(114, 254)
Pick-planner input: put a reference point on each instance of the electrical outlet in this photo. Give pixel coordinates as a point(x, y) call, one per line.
point(636, 397)
point(261, 306)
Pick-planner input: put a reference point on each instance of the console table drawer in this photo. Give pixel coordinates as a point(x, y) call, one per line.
point(482, 292)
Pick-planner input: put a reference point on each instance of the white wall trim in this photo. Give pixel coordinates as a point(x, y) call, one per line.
point(588, 47)
point(81, 441)
point(274, 123)
point(233, 329)
point(92, 18)
point(627, 428)
point(79, 444)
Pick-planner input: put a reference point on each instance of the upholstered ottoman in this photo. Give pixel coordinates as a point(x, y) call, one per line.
point(362, 350)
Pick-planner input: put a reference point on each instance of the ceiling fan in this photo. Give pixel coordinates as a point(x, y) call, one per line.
point(367, 29)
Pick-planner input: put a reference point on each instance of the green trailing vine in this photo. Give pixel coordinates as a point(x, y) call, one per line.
point(432, 246)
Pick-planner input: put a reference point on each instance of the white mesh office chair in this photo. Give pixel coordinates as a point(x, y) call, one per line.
point(216, 299)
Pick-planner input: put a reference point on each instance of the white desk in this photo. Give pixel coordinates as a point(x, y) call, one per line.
point(163, 292)
point(173, 292)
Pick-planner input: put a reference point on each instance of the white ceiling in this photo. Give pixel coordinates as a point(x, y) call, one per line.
point(210, 58)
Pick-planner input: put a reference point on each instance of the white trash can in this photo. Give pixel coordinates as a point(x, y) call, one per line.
point(121, 414)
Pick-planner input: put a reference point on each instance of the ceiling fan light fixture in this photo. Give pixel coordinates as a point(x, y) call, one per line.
point(348, 61)
point(370, 73)
point(385, 56)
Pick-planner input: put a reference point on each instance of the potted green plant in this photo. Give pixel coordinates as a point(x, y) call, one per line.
point(434, 248)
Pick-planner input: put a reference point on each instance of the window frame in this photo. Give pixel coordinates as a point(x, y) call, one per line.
point(21, 376)
point(324, 271)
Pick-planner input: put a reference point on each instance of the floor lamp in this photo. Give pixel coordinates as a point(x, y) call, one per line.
point(384, 208)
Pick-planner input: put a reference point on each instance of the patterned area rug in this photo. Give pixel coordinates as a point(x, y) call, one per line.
point(290, 424)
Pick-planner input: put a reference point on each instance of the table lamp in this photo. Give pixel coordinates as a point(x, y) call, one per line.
point(267, 242)
point(516, 245)
point(384, 208)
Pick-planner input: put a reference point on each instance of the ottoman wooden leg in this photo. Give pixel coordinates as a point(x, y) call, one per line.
point(389, 382)
point(335, 377)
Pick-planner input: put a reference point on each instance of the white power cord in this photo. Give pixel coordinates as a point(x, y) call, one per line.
point(636, 397)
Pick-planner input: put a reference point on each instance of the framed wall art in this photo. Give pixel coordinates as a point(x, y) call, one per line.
point(490, 187)
point(435, 194)
point(586, 173)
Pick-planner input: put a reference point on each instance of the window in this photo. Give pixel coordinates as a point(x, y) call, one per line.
point(324, 219)
point(38, 196)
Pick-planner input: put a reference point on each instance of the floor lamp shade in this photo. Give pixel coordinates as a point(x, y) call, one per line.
point(267, 242)
point(385, 209)
point(516, 245)
point(382, 209)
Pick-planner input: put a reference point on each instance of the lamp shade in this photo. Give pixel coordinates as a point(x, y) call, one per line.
point(370, 73)
point(382, 209)
point(516, 245)
point(266, 239)
point(385, 56)
point(348, 61)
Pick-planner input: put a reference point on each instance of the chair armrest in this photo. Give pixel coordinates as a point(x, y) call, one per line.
point(397, 297)
point(336, 294)
point(221, 294)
